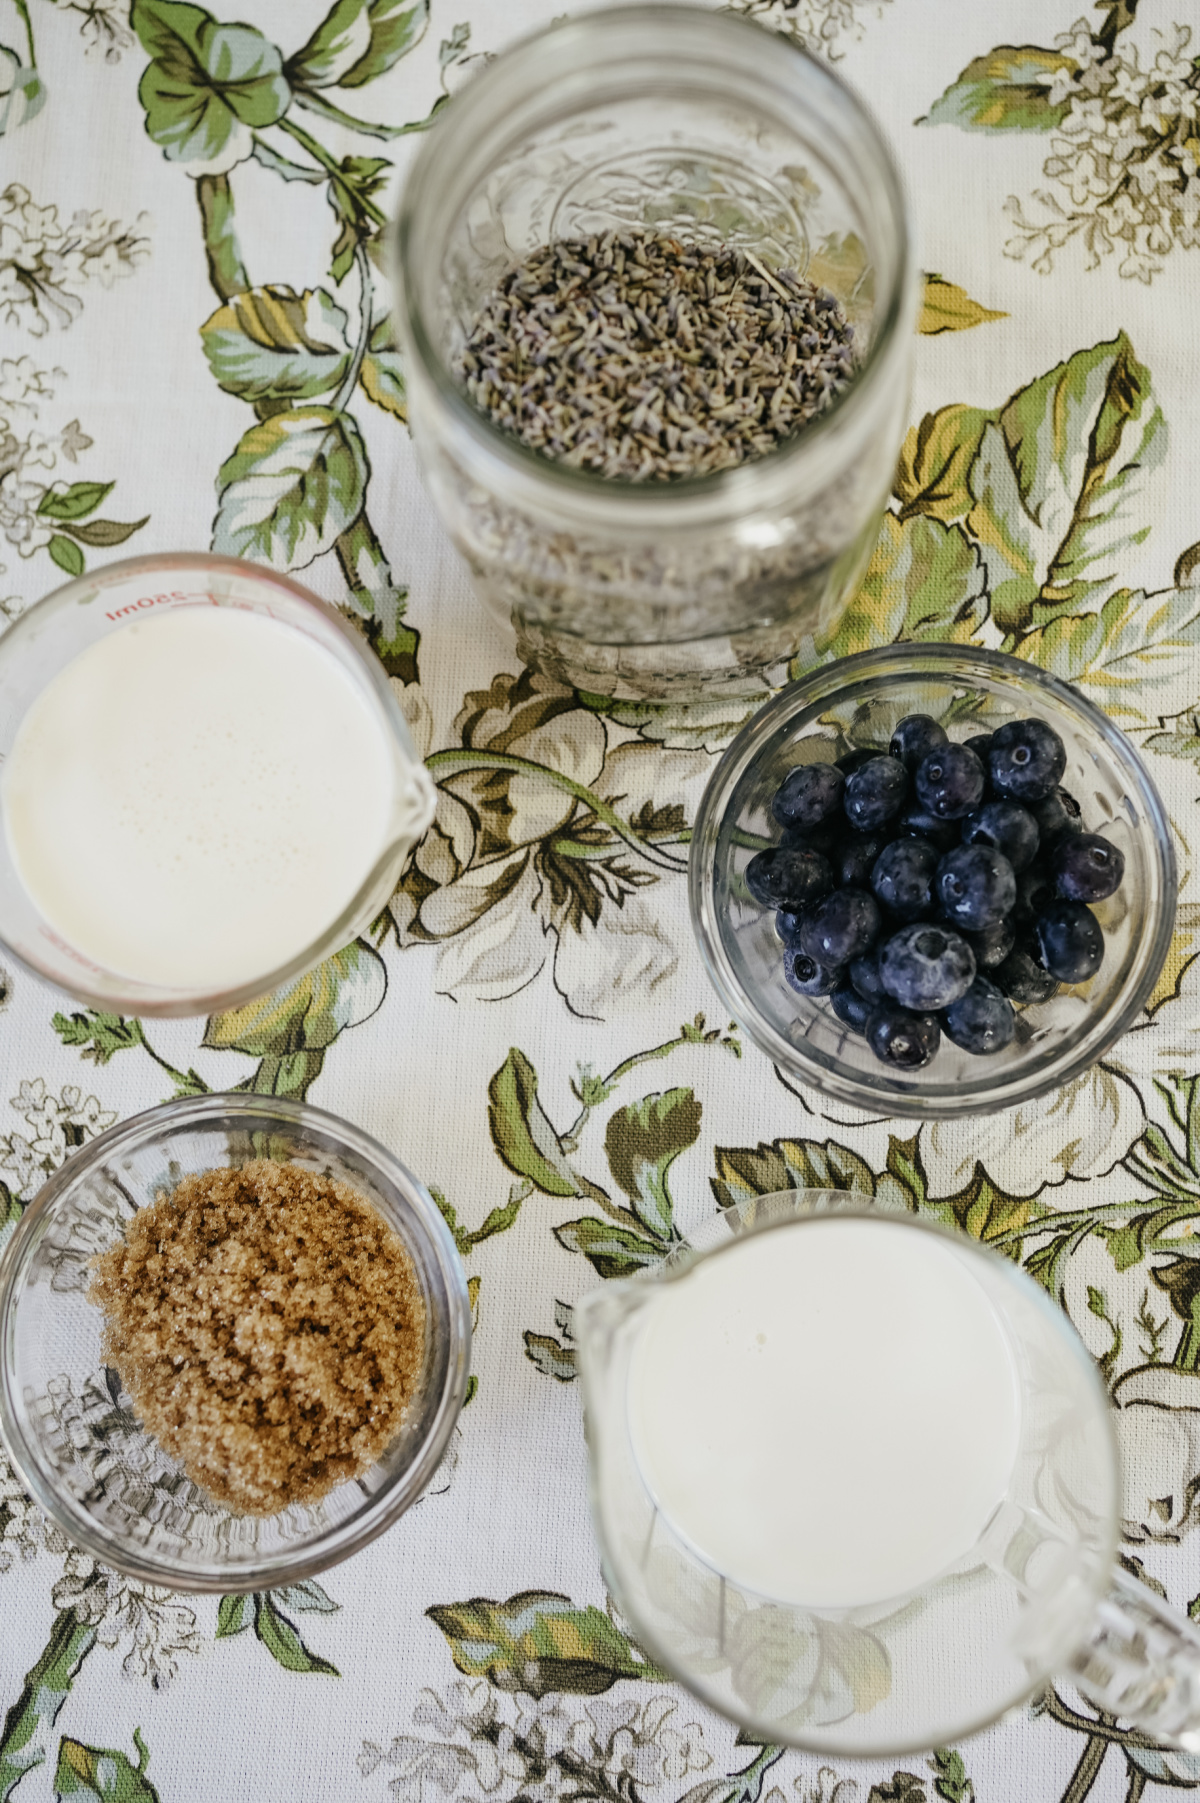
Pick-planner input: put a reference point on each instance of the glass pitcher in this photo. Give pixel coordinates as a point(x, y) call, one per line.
point(1038, 1593)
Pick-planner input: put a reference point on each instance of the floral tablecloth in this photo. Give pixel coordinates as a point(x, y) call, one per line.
point(185, 200)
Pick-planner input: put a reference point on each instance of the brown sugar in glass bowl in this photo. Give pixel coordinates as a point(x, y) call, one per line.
point(268, 1327)
point(70, 1425)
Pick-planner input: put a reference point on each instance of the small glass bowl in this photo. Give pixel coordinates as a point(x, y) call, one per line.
point(68, 1424)
point(856, 701)
point(64, 624)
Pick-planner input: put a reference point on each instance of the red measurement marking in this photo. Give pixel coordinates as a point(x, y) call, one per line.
point(145, 601)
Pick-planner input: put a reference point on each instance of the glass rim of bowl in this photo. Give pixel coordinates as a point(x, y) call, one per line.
point(494, 87)
point(392, 1501)
point(187, 1004)
point(887, 1095)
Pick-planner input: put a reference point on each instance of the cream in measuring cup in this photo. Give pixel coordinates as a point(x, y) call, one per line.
point(198, 796)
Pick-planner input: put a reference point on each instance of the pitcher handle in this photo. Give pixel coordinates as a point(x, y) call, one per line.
point(1142, 1662)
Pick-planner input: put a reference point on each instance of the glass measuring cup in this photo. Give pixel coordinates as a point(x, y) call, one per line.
point(52, 634)
point(1037, 1594)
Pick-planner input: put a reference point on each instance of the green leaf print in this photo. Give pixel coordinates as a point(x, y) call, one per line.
point(281, 1637)
point(1059, 483)
point(22, 91)
point(47, 1686)
point(66, 554)
point(11, 1210)
point(551, 1356)
point(353, 198)
point(233, 1616)
point(950, 1776)
point(760, 1170)
point(103, 533)
point(382, 374)
point(925, 580)
point(641, 1142)
point(903, 1787)
point(340, 41)
point(521, 1131)
point(208, 85)
point(103, 1772)
point(306, 1598)
point(612, 1251)
point(538, 1641)
point(396, 25)
point(272, 344)
point(985, 1211)
point(935, 462)
point(295, 482)
point(99, 1036)
point(945, 307)
point(1136, 658)
point(1005, 90)
point(291, 1029)
point(76, 502)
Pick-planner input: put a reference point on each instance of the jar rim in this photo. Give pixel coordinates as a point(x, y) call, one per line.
point(722, 37)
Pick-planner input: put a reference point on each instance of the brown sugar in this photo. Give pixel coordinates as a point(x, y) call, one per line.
point(269, 1327)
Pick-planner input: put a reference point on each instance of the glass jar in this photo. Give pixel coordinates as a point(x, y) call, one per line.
point(706, 126)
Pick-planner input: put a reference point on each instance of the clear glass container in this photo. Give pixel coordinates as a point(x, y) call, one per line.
point(705, 125)
point(67, 1422)
point(59, 628)
point(1038, 1593)
point(856, 701)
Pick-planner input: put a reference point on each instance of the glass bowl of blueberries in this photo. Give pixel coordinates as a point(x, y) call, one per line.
point(932, 880)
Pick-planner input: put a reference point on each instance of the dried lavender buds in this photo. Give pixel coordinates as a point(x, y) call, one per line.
point(640, 357)
point(269, 1327)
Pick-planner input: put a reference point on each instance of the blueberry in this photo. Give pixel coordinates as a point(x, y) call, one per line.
point(864, 974)
point(853, 858)
point(981, 744)
point(1059, 813)
point(949, 782)
point(898, 1037)
point(903, 878)
point(1069, 941)
point(787, 924)
point(808, 795)
point(806, 976)
point(874, 792)
point(1086, 867)
point(821, 838)
point(786, 877)
point(926, 967)
point(992, 946)
point(850, 1007)
point(853, 760)
point(1027, 760)
point(1011, 829)
point(1023, 979)
point(976, 887)
point(980, 1021)
point(915, 735)
point(915, 823)
point(841, 927)
point(1035, 891)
